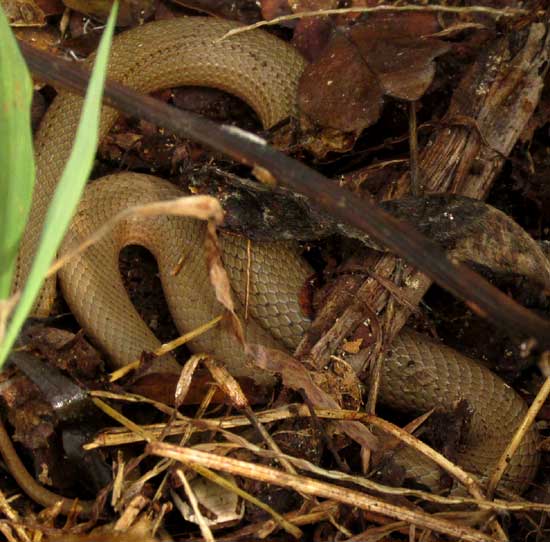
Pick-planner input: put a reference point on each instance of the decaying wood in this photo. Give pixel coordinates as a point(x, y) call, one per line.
point(498, 95)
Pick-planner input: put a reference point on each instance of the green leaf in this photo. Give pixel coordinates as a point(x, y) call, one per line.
point(68, 191)
point(16, 152)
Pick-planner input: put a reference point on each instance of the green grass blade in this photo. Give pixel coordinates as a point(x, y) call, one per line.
point(16, 152)
point(69, 189)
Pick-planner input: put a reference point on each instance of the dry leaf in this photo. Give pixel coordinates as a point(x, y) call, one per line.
point(227, 383)
point(274, 8)
point(339, 90)
point(395, 49)
point(130, 13)
point(185, 379)
point(311, 36)
point(297, 377)
point(386, 55)
point(220, 282)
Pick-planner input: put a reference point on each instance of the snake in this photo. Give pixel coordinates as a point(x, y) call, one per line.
point(418, 373)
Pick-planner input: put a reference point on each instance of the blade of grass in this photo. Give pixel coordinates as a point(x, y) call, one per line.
point(16, 152)
point(69, 189)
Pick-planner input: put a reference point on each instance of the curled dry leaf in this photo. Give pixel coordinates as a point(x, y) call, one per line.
point(220, 281)
point(295, 376)
point(397, 50)
point(185, 379)
point(227, 383)
point(386, 55)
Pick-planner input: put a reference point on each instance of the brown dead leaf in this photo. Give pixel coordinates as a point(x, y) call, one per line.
point(339, 90)
point(311, 36)
point(162, 387)
point(274, 8)
point(227, 383)
point(386, 55)
point(220, 281)
point(313, 31)
point(130, 13)
point(65, 350)
point(278, 8)
point(33, 422)
point(295, 376)
point(185, 380)
point(395, 49)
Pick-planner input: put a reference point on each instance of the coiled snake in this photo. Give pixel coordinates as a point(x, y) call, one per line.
point(264, 72)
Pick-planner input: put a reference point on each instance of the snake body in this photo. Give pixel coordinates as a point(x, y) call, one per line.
point(263, 71)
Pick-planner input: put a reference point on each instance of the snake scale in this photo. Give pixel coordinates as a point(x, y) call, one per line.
point(264, 71)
